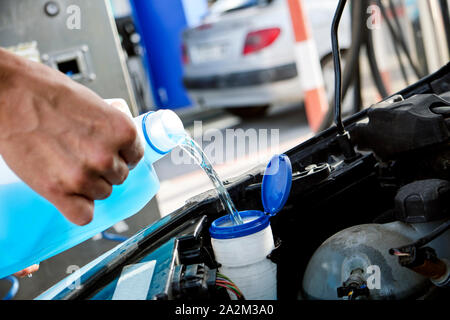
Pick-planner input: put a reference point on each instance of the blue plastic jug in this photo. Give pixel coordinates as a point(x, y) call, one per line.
point(32, 229)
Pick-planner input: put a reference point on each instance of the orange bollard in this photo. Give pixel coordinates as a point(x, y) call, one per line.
point(316, 102)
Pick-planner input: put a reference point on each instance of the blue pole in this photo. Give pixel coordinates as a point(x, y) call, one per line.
point(160, 24)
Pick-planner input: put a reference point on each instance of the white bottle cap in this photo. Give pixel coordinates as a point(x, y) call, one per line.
point(164, 130)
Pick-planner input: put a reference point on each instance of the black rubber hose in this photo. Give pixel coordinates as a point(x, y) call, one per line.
point(433, 235)
point(397, 52)
point(399, 39)
point(337, 68)
point(357, 96)
point(352, 58)
point(446, 17)
point(375, 71)
point(426, 239)
point(352, 55)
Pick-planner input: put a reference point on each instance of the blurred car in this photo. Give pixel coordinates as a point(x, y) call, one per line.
point(241, 57)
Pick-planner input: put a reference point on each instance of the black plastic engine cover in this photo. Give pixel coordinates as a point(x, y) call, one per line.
point(405, 126)
point(423, 201)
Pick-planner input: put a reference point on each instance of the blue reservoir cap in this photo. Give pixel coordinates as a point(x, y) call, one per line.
point(254, 221)
point(275, 189)
point(276, 184)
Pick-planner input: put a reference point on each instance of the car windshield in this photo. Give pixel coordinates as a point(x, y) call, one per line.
point(226, 6)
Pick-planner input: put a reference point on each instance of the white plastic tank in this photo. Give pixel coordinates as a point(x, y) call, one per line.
point(242, 250)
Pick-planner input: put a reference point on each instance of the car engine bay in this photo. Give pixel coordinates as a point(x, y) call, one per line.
point(369, 225)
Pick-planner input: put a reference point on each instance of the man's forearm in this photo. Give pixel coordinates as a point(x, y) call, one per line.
point(17, 76)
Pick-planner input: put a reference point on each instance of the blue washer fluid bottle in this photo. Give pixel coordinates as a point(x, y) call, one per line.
point(32, 229)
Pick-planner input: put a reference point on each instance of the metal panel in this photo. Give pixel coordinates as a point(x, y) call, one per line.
point(96, 49)
point(71, 28)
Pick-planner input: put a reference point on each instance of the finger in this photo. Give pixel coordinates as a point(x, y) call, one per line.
point(132, 153)
point(103, 163)
point(88, 182)
point(96, 188)
point(27, 271)
point(76, 208)
point(128, 140)
point(118, 173)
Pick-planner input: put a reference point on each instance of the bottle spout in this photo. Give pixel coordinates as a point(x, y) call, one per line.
point(163, 130)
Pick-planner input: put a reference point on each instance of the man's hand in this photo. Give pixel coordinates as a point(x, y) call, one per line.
point(62, 139)
point(27, 271)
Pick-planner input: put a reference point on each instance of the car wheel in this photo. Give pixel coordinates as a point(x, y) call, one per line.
point(248, 113)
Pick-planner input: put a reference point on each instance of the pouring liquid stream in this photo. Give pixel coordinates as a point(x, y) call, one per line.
point(194, 150)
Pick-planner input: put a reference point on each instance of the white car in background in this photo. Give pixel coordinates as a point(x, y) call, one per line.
point(241, 57)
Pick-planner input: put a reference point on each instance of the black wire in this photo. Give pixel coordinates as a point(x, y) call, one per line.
point(352, 69)
point(357, 96)
point(395, 17)
point(337, 67)
point(375, 71)
point(446, 18)
point(398, 39)
point(397, 52)
point(426, 239)
point(351, 57)
point(432, 235)
point(360, 37)
point(356, 25)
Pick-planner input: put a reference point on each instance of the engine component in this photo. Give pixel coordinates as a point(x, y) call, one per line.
point(191, 248)
point(423, 201)
point(366, 247)
point(444, 280)
point(439, 231)
point(355, 286)
point(425, 262)
point(313, 174)
point(404, 127)
point(194, 281)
